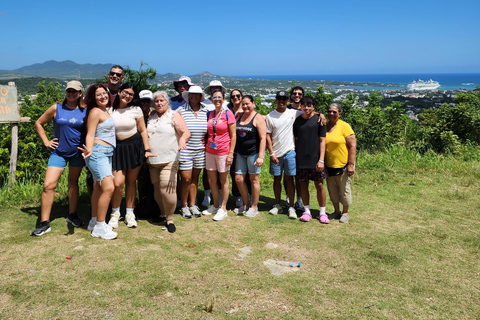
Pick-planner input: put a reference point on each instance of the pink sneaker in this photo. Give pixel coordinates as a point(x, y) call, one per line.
point(324, 219)
point(306, 217)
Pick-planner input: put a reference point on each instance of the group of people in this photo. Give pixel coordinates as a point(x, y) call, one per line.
point(115, 134)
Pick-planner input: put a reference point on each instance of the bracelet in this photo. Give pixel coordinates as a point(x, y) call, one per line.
point(272, 154)
point(321, 161)
point(148, 150)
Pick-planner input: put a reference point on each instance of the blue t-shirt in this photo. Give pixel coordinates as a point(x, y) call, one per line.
point(68, 128)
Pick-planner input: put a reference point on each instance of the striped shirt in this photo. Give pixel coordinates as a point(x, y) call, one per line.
point(196, 125)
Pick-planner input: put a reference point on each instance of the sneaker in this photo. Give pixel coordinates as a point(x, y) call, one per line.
point(240, 210)
point(91, 224)
point(206, 201)
point(130, 220)
point(103, 232)
point(159, 220)
point(299, 206)
point(195, 211)
point(306, 217)
point(185, 212)
point(292, 214)
point(42, 228)
point(171, 228)
point(251, 213)
point(114, 217)
point(334, 216)
point(221, 214)
point(344, 218)
point(238, 202)
point(277, 209)
point(324, 219)
point(211, 210)
point(74, 220)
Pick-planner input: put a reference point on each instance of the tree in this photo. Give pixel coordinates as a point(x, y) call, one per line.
point(323, 100)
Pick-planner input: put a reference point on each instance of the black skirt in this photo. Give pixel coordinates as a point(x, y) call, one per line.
point(129, 153)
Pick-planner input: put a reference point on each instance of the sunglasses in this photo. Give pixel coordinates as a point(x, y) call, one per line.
point(297, 94)
point(115, 74)
point(332, 111)
point(236, 96)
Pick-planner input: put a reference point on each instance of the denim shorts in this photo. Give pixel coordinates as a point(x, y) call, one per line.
point(286, 163)
point(100, 162)
point(61, 162)
point(245, 164)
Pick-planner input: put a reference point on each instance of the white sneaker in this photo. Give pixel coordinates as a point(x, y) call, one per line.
point(291, 213)
point(91, 224)
point(103, 232)
point(211, 210)
point(114, 217)
point(251, 213)
point(221, 214)
point(238, 202)
point(277, 209)
point(195, 211)
point(130, 220)
point(240, 210)
point(206, 201)
point(185, 212)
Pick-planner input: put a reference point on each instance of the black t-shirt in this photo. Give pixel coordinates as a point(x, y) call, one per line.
point(307, 148)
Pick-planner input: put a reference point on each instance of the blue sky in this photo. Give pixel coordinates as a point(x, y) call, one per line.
point(247, 37)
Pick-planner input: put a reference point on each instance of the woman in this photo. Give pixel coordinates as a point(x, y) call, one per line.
point(251, 140)
point(235, 105)
point(219, 153)
point(132, 147)
point(192, 159)
point(68, 126)
point(98, 152)
point(168, 134)
point(340, 154)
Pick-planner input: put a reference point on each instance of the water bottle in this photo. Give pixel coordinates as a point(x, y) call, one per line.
point(289, 264)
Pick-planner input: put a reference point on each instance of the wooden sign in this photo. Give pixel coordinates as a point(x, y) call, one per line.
point(9, 111)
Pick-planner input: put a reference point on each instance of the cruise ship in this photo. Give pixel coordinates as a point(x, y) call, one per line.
point(423, 85)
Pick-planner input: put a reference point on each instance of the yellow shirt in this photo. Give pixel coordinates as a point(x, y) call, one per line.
point(336, 152)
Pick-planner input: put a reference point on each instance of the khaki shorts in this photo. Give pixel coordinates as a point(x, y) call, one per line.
point(163, 172)
point(340, 189)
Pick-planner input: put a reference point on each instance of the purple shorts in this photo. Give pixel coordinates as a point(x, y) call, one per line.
point(311, 174)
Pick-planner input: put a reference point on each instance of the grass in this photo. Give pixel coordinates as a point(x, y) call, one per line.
point(410, 250)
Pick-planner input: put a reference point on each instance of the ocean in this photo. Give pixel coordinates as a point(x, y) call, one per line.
point(448, 81)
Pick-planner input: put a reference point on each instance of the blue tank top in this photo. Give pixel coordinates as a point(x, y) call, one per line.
point(106, 131)
point(68, 128)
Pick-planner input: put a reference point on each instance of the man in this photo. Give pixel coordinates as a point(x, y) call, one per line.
point(281, 145)
point(214, 85)
point(146, 98)
point(296, 94)
point(180, 85)
point(115, 78)
point(310, 157)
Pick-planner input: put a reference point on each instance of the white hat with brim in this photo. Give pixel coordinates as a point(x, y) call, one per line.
point(215, 83)
point(193, 89)
point(182, 79)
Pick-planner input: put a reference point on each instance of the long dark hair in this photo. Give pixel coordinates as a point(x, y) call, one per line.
point(135, 100)
point(90, 98)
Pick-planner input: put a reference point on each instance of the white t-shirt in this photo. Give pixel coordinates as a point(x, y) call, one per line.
point(280, 126)
point(125, 120)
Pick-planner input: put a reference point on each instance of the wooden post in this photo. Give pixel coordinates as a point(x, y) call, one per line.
point(14, 154)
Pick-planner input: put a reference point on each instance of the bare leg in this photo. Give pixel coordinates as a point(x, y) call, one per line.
point(106, 189)
point(321, 197)
point(290, 188)
point(73, 175)
point(212, 181)
point(194, 186)
point(277, 188)
point(304, 192)
point(131, 187)
point(242, 187)
point(52, 176)
point(255, 180)
point(119, 181)
point(223, 178)
point(186, 180)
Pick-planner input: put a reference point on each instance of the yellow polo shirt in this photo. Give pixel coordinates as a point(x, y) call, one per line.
point(336, 153)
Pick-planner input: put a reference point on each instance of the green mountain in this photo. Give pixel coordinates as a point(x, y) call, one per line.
point(59, 69)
